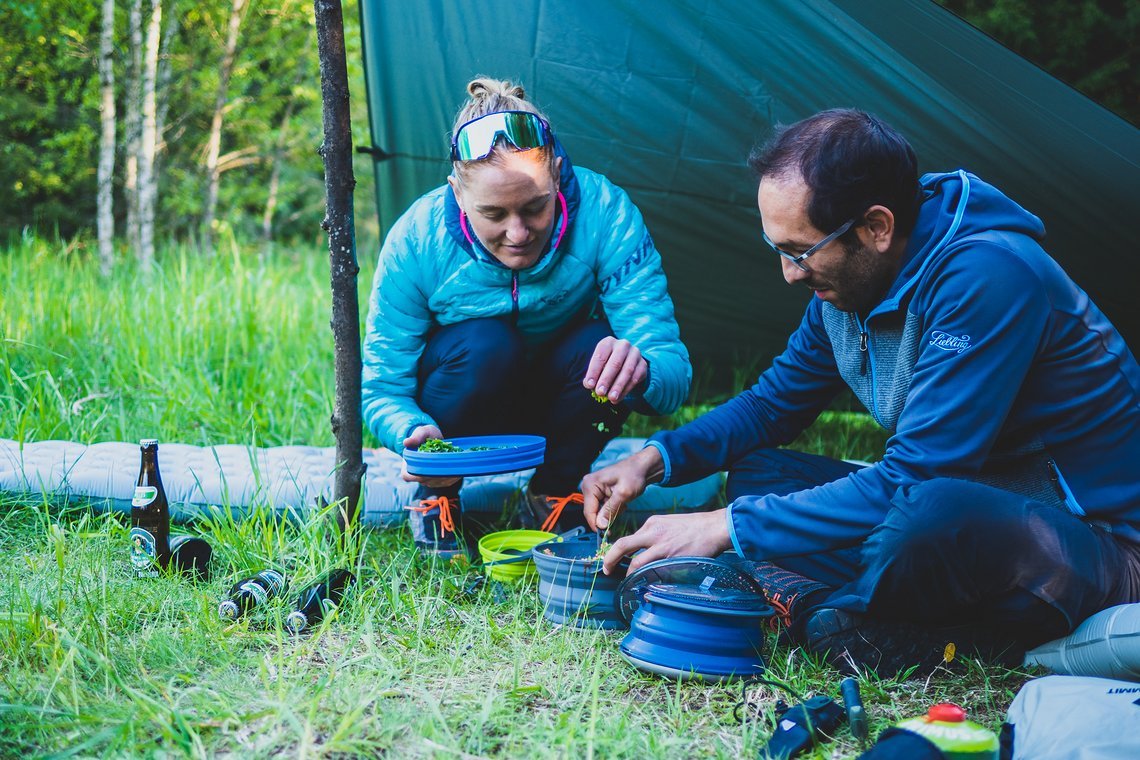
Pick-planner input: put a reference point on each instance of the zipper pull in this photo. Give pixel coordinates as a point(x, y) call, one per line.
point(863, 350)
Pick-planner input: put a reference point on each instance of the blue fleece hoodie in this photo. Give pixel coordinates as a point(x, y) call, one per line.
point(985, 361)
point(431, 273)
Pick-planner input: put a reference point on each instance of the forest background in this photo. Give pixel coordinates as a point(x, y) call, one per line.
point(201, 121)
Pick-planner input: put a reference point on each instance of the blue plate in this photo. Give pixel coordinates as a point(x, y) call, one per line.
point(504, 453)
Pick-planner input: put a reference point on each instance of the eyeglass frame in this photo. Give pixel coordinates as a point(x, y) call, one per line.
point(798, 260)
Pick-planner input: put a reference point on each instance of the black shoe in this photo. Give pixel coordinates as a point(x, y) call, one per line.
point(786, 592)
point(853, 643)
point(435, 522)
point(552, 514)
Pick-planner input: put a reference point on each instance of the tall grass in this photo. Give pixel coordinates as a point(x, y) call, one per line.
point(420, 662)
point(234, 348)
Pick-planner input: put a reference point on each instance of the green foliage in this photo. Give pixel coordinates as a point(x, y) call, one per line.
point(1091, 44)
point(48, 136)
point(49, 118)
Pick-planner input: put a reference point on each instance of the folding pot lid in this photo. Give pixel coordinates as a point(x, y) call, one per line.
point(708, 598)
point(692, 571)
point(479, 455)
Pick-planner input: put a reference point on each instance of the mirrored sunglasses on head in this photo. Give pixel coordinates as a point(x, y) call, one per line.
point(476, 139)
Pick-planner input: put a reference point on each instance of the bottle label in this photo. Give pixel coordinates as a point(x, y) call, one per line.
point(275, 580)
point(144, 495)
point(143, 554)
point(255, 590)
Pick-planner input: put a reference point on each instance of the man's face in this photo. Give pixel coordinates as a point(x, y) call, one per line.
point(851, 277)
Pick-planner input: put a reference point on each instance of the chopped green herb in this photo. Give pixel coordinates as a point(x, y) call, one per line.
point(437, 446)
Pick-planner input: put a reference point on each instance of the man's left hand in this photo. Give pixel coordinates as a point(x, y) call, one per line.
point(699, 534)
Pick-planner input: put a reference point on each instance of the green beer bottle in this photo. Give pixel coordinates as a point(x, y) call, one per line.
point(150, 517)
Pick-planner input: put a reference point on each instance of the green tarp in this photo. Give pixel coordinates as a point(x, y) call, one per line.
point(668, 97)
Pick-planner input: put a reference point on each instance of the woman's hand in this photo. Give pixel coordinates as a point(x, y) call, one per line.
point(414, 440)
point(616, 368)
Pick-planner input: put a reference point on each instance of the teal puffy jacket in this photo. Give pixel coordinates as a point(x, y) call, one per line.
point(429, 274)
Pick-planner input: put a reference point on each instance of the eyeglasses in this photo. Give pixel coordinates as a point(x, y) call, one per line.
point(476, 139)
point(798, 259)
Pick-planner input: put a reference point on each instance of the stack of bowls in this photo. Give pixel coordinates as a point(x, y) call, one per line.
point(689, 631)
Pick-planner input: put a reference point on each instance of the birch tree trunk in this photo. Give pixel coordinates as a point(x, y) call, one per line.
point(214, 143)
point(275, 158)
point(133, 126)
point(336, 150)
point(148, 139)
point(163, 86)
point(105, 219)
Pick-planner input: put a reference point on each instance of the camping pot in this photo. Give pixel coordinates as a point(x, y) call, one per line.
point(687, 631)
point(572, 586)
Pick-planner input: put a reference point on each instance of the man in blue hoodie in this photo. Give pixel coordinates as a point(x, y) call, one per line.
point(1006, 507)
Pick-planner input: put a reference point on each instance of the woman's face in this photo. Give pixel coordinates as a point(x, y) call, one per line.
point(510, 205)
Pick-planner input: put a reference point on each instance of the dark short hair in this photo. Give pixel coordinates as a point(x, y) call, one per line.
point(850, 160)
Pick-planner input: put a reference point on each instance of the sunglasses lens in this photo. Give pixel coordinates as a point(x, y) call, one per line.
point(476, 139)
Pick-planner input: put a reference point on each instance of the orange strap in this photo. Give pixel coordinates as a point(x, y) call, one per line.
point(556, 506)
point(446, 522)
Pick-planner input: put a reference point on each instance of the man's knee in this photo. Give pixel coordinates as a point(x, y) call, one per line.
point(948, 511)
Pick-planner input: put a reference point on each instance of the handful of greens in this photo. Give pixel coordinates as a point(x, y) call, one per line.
point(440, 446)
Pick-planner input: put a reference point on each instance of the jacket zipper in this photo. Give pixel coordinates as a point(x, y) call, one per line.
point(514, 298)
point(863, 348)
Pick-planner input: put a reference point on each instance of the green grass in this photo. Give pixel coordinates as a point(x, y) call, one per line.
point(94, 663)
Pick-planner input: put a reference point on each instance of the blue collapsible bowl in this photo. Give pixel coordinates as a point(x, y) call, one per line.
point(687, 631)
point(572, 586)
point(493, 455)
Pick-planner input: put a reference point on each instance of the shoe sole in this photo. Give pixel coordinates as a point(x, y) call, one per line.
point(845, 641)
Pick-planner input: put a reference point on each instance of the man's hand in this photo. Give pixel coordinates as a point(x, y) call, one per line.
point(699, 534)
point(606, 492)
point(414, 440)
point(616, 368)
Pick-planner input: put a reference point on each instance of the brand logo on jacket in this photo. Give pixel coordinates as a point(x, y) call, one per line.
point(948, 342)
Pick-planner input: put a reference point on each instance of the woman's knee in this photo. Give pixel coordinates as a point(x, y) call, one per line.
point(486, 350)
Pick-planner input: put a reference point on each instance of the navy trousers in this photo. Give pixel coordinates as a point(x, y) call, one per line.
point(479, 378)
point(952, 551)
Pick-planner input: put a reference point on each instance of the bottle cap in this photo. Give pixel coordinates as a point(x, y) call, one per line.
point(148, 442)
point(228, 609)
point(947, 711)
point(296, 621)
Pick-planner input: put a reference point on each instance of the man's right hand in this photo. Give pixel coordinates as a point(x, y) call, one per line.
point(606, 492)
point(414, 440)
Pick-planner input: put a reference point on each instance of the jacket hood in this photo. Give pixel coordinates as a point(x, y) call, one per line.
point(955, 206)
point(568, 186)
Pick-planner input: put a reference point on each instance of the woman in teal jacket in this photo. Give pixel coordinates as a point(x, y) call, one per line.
point(503, 299)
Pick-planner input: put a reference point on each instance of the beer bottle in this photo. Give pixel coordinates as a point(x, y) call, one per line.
point(150, 516)
point(318, 600)
point(252, 592)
